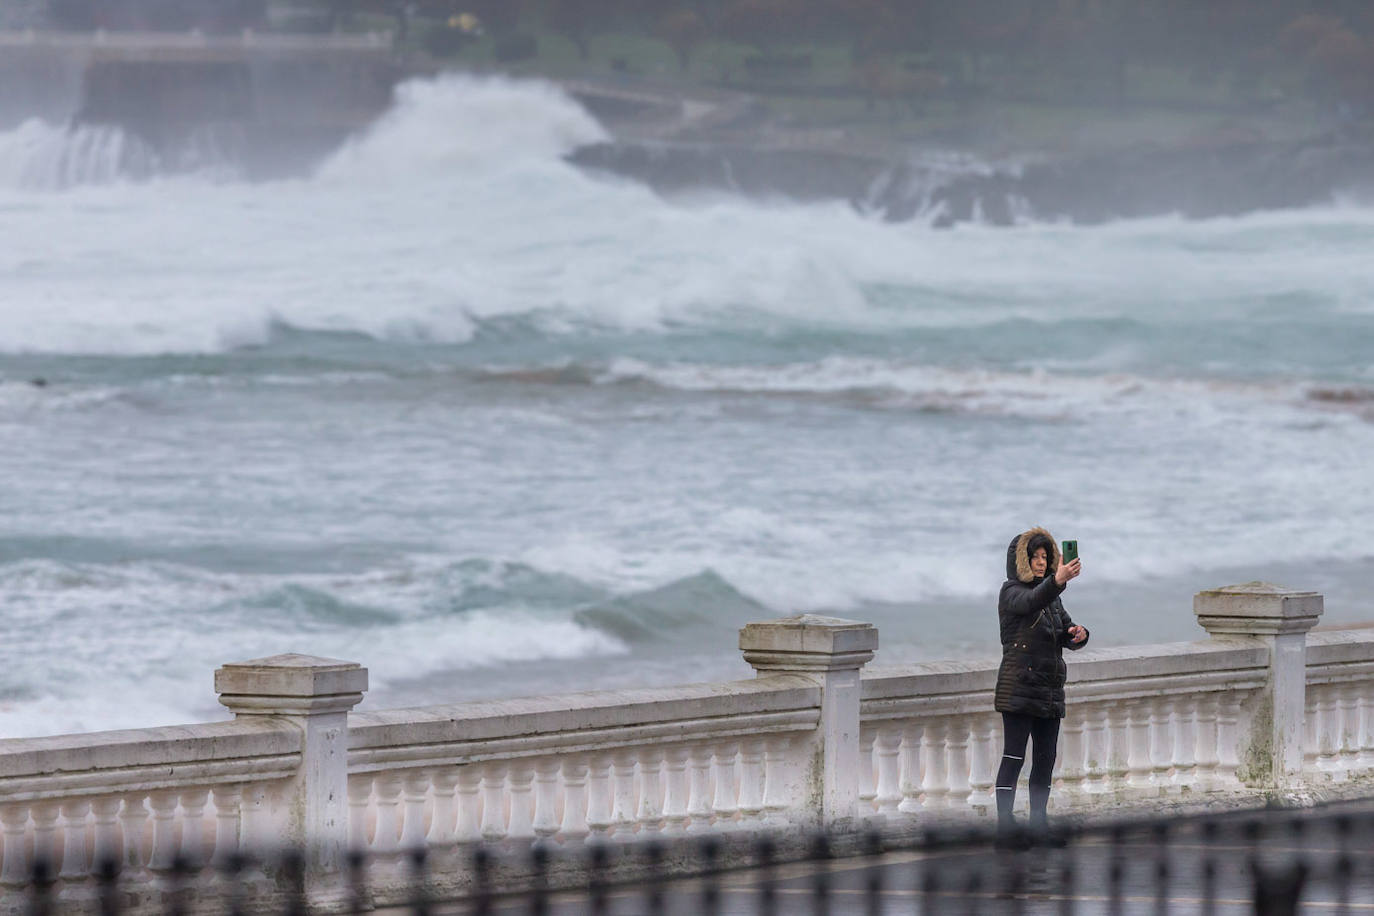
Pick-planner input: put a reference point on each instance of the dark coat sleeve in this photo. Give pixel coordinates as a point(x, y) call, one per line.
point(1066, 641)
point(1018, 602)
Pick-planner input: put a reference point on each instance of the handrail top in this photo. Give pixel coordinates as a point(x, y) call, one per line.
point(572, 712)
point(244, 738)
point(1105, 664)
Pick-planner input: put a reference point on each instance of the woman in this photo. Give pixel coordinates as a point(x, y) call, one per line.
point(1030, 682)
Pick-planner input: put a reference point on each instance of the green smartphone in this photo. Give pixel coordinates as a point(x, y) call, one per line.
point(1070, 551)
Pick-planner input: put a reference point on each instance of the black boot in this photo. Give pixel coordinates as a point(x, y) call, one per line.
point(1041, 832)
point(1010, 835)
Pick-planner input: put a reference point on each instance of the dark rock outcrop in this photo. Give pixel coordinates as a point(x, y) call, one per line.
point(1222, 178)
point(800, 174)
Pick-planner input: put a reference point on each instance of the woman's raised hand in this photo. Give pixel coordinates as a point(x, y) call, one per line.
point(1067, 571)
point(1077, 634)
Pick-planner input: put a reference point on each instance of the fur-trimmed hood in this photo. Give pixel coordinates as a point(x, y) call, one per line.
point(1018, 561)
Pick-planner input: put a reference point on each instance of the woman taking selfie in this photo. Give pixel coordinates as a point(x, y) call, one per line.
point(1030, 682)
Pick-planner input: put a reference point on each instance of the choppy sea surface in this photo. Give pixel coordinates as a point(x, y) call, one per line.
point(492, 426)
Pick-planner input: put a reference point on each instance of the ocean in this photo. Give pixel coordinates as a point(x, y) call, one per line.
point(493, 426)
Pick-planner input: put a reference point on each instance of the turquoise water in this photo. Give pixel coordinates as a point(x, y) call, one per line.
point(486, 424)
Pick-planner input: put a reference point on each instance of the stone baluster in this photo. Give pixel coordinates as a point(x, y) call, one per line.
point(1279, 619)
point(1185, 744)
point(133, 818)
point(1208, 753)
point(751, 780)
point(494, 801)
point(1365, 759)
point(359, 800)
point(699, 762)
point(443, 820)
point(75, 865)
point(227, 800)
point(1228, 739)
point(574, 826)
point(14, 820)
point(675, 791)
point(912, 733)
point(1070, 761)
point(1097, 741)
point(545, 823)
point(164, 853)
point(415, 788)
point(1161, 743)
point(1138, 758)
point(521, 826)
point(1348, 699)
point(255, 828)
point(1311, 739)
point(868, 784)
point(1329, 727)
point(649, 813)
point(468, 827)
point(933, 753)
point(725, 801)
point(888, 747)
point(1118, 746)
point(193, 825)
point(958, 767)
point(984, 748)
point(105, 814)
point(387, 786)
point(776, 768)
point(45, 847)
point(599, 820)
point(623, 810)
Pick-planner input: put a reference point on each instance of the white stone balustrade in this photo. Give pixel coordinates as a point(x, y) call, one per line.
point(144, 798)
point(581, 766)
point(1261, 706)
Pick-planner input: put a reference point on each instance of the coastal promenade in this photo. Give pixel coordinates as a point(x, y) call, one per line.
point(195, 46)
point(1265, 708)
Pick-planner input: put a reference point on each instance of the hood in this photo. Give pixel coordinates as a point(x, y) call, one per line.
point(1018, 564)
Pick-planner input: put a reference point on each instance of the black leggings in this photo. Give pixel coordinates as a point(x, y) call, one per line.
point(1017, 728)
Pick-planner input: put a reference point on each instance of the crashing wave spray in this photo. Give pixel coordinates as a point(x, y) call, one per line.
point(42, 156)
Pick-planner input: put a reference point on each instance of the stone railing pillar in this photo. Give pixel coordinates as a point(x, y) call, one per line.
point(315, 695)
point(1280, 618)
point(831, 651)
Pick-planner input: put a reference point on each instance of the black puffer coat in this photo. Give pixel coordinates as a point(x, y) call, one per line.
point(1035, 631)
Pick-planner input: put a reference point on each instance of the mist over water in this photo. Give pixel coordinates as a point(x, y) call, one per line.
point(489, 425)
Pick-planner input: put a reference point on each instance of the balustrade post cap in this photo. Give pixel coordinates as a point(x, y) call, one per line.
point(290, 684)
point(1257, 609)
point(808, 642)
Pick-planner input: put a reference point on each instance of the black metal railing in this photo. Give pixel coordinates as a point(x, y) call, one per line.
point(1273, 861)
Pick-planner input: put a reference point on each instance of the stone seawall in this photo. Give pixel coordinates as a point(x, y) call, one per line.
point(269, 105)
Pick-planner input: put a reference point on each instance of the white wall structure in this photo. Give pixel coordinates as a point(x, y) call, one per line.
point(1262, 707)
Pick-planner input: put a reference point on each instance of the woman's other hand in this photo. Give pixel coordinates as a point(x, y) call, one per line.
point(1067, 571)
point(1077, 634)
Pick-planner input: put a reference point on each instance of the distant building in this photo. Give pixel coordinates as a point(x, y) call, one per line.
point(158, 15)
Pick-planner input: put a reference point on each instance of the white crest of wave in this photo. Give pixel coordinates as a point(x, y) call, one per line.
point(456, 124)
point(41, 156)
